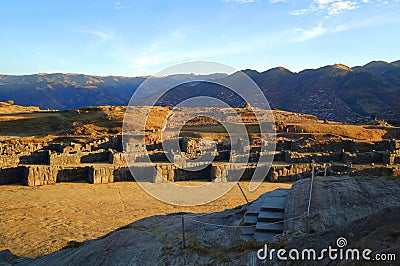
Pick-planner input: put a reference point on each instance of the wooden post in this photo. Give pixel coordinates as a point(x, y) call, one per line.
point(307, 223)
point(312, 169)
point(243, 193)
point(183, 232)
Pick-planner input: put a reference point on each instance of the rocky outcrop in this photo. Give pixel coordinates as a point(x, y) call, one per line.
point(336, 201)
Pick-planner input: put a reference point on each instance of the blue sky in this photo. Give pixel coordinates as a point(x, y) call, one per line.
point(131, 38)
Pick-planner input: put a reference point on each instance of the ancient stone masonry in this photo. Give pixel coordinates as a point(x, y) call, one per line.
point(103, 161)
point(12, 175)
point(12, 151)
point(303, 151)
point(101, 174)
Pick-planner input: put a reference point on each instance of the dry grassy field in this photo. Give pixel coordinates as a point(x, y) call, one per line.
point(40, 220)
point(94, 122)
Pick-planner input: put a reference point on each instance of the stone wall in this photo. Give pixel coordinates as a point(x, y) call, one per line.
point(98, 174)
point(65, 158)
point(288, 173)
point(40, 164)
point(70, 174)
point(9, 160)
point(183, 175)
point(343, 156)
point(122, 174)
point(12, 151)
point(296, 157)
point(38, 175)
point(100, 156)
point(12, 175)
point(15, 146)
point(37, 157)
point(335, 145)
point(362, 158)
point(114, 143)
point(117, 158)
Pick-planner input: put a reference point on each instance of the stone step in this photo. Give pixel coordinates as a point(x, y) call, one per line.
point(253, 212)
point(269, 227)
point(262, 237)
point(268, 216)
point(250, 219)
point(264, 215)
point(248, 230)
point(274, 200)
point(273, 207)
point(280, 204)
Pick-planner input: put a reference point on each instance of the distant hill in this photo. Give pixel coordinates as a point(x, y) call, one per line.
point(67, 91)
point(334, 92)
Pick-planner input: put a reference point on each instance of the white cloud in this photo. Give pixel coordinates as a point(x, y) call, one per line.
point(335, 7)
point(341, 6)
point(329, 7)
point(307, 34)
point(304, 11)
point(324, 2)
point(119, 5)
point(105, 35)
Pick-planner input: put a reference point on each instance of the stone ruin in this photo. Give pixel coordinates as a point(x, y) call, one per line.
point(103, 160)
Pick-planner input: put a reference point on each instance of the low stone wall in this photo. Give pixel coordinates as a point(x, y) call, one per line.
point(70, 174)
point(338, 145)
point(295, 157)
point(12, 175)
point(65, 158)
point(117, 158)
point(183, 175)
point(40, 157)
point(114, 143)
point(218, 173)
point(38, 175)
point(122, 174)
point(101, 174)
point(289, 173)
point(14, 146)
point(9, 160)
point(362, 158)
point(373, 171)
point(95, 157)
point(343, 156)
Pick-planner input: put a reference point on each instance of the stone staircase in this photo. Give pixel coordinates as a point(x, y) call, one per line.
point(265, 216)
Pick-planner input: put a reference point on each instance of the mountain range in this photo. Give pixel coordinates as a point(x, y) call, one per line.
point(334, 92)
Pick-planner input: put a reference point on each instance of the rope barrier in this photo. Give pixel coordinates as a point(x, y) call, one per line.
point(202, 214)
point(241, 226)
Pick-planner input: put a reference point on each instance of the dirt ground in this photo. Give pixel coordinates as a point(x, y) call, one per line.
point(39, 220)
